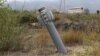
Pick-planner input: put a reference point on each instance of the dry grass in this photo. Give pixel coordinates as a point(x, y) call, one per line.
point(96, 51)
point(72, 37)
point(79, 37)
point(42, 38)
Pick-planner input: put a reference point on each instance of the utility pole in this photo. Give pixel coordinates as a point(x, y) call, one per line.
point(62, 5)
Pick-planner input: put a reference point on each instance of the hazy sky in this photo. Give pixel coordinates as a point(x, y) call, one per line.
point(31, 0)
point(93, 5)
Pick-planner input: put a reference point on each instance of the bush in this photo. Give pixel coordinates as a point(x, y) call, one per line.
point(9, 31)
point(83, 16)
point(27, 17)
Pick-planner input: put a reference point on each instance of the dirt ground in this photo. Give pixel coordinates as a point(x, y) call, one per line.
point(72, 51)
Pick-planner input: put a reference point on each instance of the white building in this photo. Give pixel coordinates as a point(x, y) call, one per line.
point(76, 10)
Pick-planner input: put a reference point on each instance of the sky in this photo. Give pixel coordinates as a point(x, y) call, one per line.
point(31, 0)
point(93, 5)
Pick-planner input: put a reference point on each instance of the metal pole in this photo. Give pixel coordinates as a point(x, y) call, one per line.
point(47, 20)
point(55, 37)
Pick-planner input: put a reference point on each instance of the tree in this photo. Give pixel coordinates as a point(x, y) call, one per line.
point(2, 2)
point(86, 11)
point(98, 11)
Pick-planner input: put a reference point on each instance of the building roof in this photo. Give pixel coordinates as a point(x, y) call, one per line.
point(76, 8)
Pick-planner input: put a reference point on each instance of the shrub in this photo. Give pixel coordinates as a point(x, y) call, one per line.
point(9, 31)
point(27, 17)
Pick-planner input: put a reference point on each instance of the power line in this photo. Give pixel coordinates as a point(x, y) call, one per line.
point(23, 5)
point(62, 5)
point(15, 5)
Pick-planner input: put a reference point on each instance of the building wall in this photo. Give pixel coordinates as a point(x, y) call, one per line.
point(76, 10)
